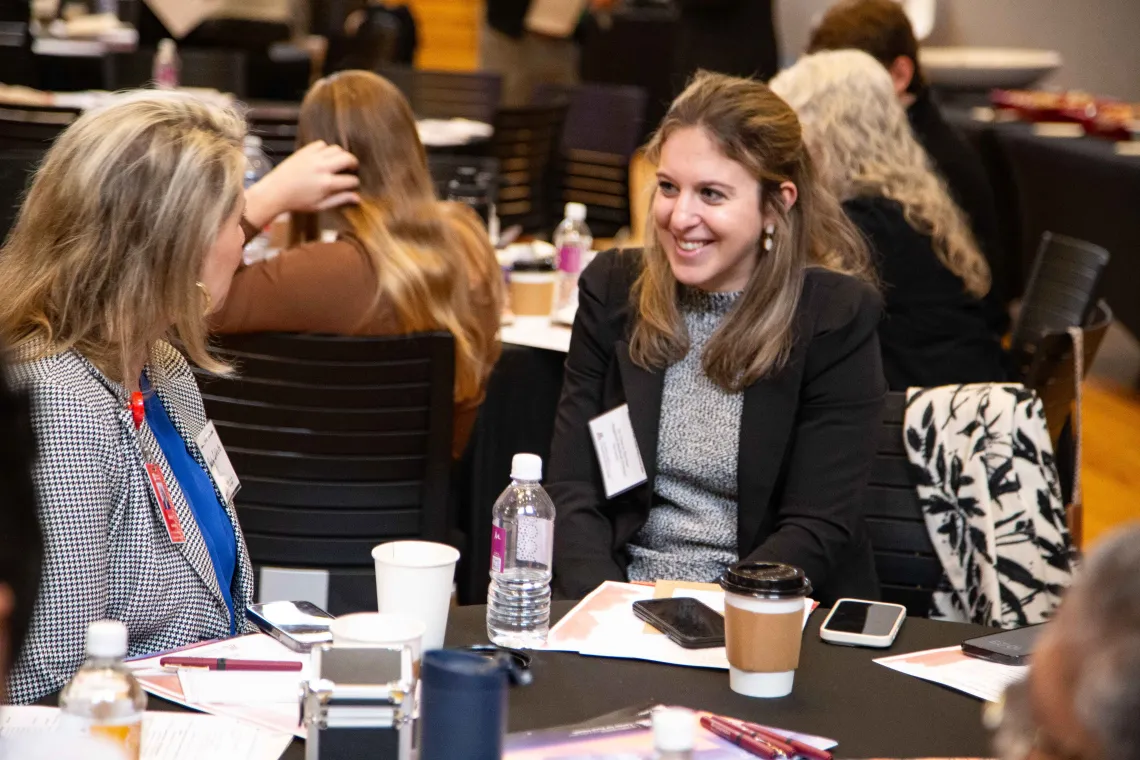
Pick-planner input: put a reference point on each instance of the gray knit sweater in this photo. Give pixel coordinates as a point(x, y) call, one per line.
point(691, 530)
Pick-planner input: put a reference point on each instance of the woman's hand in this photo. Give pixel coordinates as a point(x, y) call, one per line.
point(312, 179)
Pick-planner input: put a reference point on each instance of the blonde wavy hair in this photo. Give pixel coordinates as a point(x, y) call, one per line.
point(753, 127)
point(110, 242)
point(863, 144)
point(427, 256)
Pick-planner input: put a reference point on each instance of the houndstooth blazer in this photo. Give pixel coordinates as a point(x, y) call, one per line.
point(107, 551)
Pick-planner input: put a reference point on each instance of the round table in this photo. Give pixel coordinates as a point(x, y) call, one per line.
point(870, 710)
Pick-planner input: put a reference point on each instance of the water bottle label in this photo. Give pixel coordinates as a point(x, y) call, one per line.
point(498, 548)
point(536, 541)
point(570, 258)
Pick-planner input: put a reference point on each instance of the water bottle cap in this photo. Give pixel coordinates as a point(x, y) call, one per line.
point(107, 638)
point(576, 211)
point(166, 45)
point(252, 141)
point(526, 467)
point(674, 729)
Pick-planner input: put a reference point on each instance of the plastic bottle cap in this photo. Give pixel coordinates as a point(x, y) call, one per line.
point(107, 638)
point(674, 729)
point(166, 45)
point(576, 211)
point(252, 141)
point(526, 467)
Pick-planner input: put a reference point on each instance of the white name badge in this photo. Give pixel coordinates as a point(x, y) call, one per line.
point(618, 455)
point(218, 461)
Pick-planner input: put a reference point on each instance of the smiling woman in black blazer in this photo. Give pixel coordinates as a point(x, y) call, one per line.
point(747, 357)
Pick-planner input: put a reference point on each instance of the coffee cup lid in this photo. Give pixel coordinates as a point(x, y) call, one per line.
point(766, 580)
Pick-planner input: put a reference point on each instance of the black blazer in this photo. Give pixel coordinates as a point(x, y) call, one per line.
point(933, 332)
point(807, 438)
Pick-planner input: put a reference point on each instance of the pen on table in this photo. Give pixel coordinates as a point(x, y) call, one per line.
point(727, 731)
point(758, 732)
point(805, 750)
point(223, 663)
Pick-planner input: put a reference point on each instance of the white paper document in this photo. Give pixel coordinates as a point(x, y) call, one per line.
point(950, 667)
point(165, 735)
point(603, 625)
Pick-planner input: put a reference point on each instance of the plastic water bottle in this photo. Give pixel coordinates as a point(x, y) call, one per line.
point(573, 240)
point(522, 548)
point(257, 165)
point(166, 65)
point(104, 699)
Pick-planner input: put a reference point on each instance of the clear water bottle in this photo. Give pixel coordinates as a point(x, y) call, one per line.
point(104, 699)
point(522, 548)
point(166, 65)
point(573, 240)
point(257, 165)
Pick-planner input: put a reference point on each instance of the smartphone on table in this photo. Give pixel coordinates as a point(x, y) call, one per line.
point(688, 622)
point(1012, 647)
point(297, 625)
point(859, 623)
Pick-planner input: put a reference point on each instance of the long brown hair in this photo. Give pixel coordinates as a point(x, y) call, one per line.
point(427, 257)
point(113, 234)
point(753, 127)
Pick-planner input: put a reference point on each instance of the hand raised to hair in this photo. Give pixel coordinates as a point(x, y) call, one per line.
point(314, 178)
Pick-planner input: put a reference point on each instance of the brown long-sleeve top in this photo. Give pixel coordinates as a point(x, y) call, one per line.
point(331, 288)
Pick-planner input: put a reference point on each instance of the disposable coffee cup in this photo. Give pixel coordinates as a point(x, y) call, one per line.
point(414, 578)
point(379, 629)
point(763, 626)
point(533, 293)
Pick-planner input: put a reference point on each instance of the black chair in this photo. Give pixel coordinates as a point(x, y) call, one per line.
point(603, 129)
point(16, 169)
point(1060, 294)
point(341, 443)
point(33, 127)
point(526, 142)
point(218, 68)
point(276, 125)
point(909, 570)
point(447, 94)
point(444, 167)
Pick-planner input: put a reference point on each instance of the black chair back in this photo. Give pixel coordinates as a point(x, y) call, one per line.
point(216, 68)
point(341, 443)
point(276, 125)
point(1060, 294)
point(603, 129)
point(32, 127)
point(16, 169)
point(526, 142)
point(448, 94)
point(444, 167)
point(909, 570)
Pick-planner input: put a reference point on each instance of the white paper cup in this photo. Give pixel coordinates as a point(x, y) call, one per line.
point(379, 629)
point(414, 578)
point(765, 685)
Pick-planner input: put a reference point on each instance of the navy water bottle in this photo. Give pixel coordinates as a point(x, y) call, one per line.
point(463, 706)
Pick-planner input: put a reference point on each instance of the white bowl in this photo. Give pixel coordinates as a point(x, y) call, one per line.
point(966, 68)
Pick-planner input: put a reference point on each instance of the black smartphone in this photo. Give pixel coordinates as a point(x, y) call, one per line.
point(1011, 647)
point(688, 622)
point(297, 625)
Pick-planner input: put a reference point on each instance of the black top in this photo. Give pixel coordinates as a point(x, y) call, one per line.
point(933, 332)
point(961, 167)
point(805, 448)
point(736, 37)
point(507, 16)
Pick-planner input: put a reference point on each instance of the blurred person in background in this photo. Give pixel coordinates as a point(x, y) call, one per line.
point(400, 261)
point(735, 37)
point(934, 330)
point(525, 58)
point(1081, 699)
point(882, 29)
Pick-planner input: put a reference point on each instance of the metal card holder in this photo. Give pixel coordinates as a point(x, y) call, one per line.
point(359, 704)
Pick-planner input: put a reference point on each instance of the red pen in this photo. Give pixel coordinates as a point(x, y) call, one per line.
point(222, 663)
point(729, 732)
point(758, 732)
point(799, 748)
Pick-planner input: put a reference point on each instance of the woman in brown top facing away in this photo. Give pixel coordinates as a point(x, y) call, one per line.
point(403, 262)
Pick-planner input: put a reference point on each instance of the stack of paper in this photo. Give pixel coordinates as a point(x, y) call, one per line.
point(165, 735)
point(950, 667)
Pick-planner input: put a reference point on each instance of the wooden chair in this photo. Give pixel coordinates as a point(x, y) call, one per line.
point(341, 443)
point(448, 94)
point(221, 69)
point(276, 125)
point(17, 166)
point(526, 142)
point(32, 127)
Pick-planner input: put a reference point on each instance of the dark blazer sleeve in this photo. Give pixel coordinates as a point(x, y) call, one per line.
point(583, 534)
point(820, 513)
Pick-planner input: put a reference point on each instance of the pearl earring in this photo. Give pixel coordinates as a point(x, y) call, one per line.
point(769, 235)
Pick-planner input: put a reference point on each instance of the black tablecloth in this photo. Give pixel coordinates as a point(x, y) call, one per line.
point(1072, 186)
point(870, 710)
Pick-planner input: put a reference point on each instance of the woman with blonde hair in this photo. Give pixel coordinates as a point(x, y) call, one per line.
point(129, 235)
point(402, 261)
point(934, 276)
point(741, 342)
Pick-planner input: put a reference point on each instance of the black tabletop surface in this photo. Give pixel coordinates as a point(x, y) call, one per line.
point(870, 710)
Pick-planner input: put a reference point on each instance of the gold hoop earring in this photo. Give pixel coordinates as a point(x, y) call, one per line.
point(209, 301)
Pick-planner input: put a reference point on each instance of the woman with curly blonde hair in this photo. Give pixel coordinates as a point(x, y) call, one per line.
point(934, 276)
